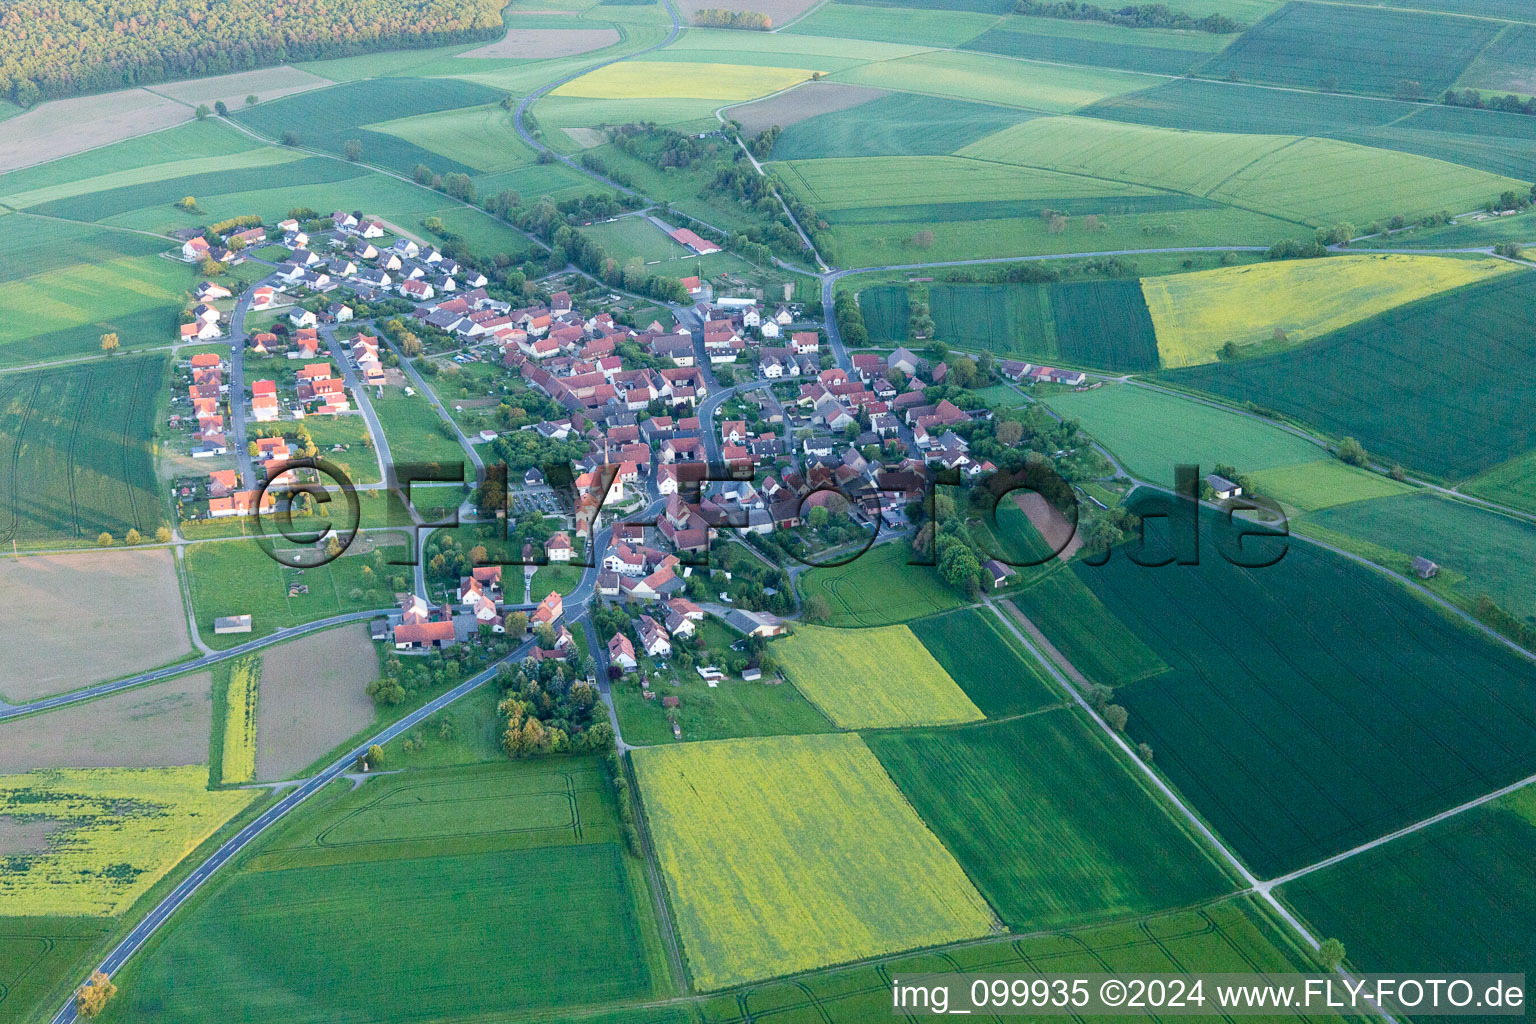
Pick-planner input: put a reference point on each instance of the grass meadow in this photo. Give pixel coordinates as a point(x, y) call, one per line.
point(1151, 432)
point(875, 678)
point(1269, 306)
point(988, 664)
point(1402, 382)
point(1313, 704)
point(1052, 827)
point(896, 124)
point(731, 821)
point(76, 444)
point(1510, 483)
point(476, 861)
point(1309, 486)
point(879, 588)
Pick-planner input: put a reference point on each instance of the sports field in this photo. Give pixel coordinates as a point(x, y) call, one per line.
point(1054, 830)
point(1313, 704)
point(880, 588)
point(103, 836)
point(1266, 306)
point(731, 821)
point(1309, 486)
point(999, 676)
point(76, 446)
point(457, 868)
point(875, 678)
point(1150, 432)
point(682, 80)
point(1401, 382)
point(1474, 897)
point(1495, 553)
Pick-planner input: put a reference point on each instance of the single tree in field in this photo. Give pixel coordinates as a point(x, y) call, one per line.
point(353, 149)
point(375, 756)
point(203, 111)
point(163, 535)
point(1116, 716)
point(1144, 751)
point(252, 100)
point(817, 609)
point(1331, 953)
point(103, 539)
point(91, 998)
point(220, 109)
point(1352, 453)
point(132, 537)
point(290, 138)
point(187, 202)
point(109, 342)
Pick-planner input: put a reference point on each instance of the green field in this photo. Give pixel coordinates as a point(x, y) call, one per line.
point(1095, 44)
point(1298, 46)
point(1496, 553)
point(1509, 483)
point(999, 677)
point(879, 588)
point(731, 822)
point(990, 78)
point(1399, 382)
point(1313, 705)
point(731, 710)
point(482, 137)
point(1150, 432)
point(919, 27)
point(1076, 622)
point(76, 451)
point(627, 237)
point(457, 868)
point(1052, 828)
point(236, 577)
point(195, 140)
point(1474, 897)
point(897, 124)
point(1104, 323)
point(875, 678)
point(39, 953)
point(415, 431)
point(1309, 486)
point(326, 118)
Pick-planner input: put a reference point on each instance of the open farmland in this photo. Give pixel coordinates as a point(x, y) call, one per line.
point(37, 953)
point(1313, 704)
point(545, 43)
point(1053, 828)
point(119, 831)
point(1096, 44)
point(1504, 65)
point(896, 124)
point(1324, 483)
point(238, 758)
point(990, 667)
point(313, 697)
point(44, 615)
point(1313, 46)
point(162, 725)
point(1402, 382)
point(232, 90)
point(1000, 318)
point(69, 126)
point(682, 80)
point(879, 588)
point(1104, 323)
point(75, 447)
point(1151, 432)
point(731, 821)
point(918, 26)
point(1080, 630)
point(1510, 483)
point(811, 100)
point(478, 860)
point(1477, 862)
point(1274, 305)
point(1495, 553)
point(482, 137)
point(872, 678)
point(986, 78)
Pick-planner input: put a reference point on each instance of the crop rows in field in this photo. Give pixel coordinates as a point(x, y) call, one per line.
point(875, 678)
point(1355, 49)
point(125, 828)
point(997, 209)
point(732, 820)
point(1444, 384)
point(987, 663)
point(75, 454)
point(1093, 45)
point(1312, 704)
point(1052, 827)
point(879, 588)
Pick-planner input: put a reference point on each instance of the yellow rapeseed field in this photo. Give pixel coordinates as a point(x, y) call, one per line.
point(239, 763)
point(873, 678)
point(1196, 314)
point(110, 834)
point(682, 80)
point(734, 823)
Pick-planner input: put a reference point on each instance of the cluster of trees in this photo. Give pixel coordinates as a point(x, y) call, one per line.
point(402, 679)
point(1131, 16)
point(523, 449)
point(762, 194)
point(106, 540)
point(1509, 104)
point(551, 709)
point(920, 320)
point(53, 48)
point(660, 147)
point(850, 320)
point(714, 17)
point(1490, 614)
point(762, 143)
